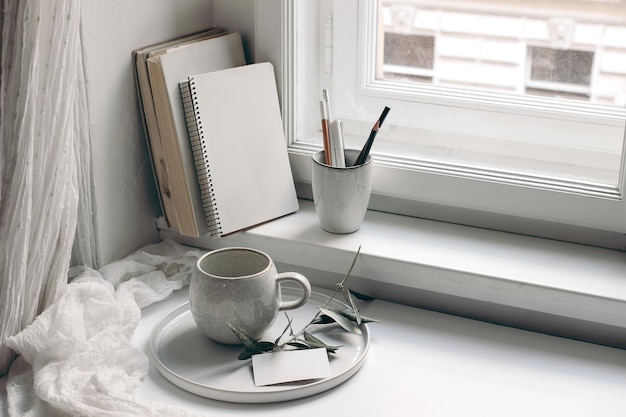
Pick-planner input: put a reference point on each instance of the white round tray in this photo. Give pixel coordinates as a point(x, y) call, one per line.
point(191, 361)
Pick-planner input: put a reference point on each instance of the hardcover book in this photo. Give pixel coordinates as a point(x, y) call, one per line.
point(148, 115)
point(166, 70)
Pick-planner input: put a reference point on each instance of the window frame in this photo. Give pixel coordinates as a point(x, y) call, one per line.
point(494, 199)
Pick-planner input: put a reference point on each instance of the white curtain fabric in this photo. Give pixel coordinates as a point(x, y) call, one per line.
point(77, 358)
point(45, 188)
point(73, 340)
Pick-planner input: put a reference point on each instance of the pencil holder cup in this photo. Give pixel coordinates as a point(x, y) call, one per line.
point(341, 195)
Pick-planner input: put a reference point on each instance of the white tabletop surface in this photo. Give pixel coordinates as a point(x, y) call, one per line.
point(432, 364)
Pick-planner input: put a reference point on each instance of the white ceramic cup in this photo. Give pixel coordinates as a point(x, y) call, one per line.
point(341, 195)
point(241, 286)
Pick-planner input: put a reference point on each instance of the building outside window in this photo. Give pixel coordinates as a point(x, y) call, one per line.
point(568, 49)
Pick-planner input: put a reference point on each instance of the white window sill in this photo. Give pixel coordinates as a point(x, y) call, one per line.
point(425, 363)
point(538, 284)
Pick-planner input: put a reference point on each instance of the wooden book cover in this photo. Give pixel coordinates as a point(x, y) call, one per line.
point(148, 115)
point(166, 71)
point(237, 137)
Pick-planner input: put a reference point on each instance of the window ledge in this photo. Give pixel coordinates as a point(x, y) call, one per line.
point(538, 284)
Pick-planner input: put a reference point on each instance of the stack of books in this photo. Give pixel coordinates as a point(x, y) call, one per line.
point(215, 135)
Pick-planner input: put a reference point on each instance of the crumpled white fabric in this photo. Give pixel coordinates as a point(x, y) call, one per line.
point(77, 358)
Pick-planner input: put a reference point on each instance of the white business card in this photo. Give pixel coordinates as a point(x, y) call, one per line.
point(289, 366)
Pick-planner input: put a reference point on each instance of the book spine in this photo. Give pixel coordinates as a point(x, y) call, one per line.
point(199, 150)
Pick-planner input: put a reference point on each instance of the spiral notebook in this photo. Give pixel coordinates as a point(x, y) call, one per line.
point(240, 153)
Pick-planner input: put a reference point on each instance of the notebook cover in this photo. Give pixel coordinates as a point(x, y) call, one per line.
point(239, 121)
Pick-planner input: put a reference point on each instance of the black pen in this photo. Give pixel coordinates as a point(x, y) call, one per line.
point(368, 145)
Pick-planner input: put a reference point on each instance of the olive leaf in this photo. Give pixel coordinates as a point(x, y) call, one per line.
point(346, 295)
point(299, 345)
point(241, 334)
point(317, 343)
point(346, 312)
point(362, 297)
point(312, 342)
point(262, 347)
point(323, 319)
point(341, 320)
point(252, 346)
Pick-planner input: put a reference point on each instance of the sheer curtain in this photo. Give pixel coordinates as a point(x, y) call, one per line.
point(45, 171)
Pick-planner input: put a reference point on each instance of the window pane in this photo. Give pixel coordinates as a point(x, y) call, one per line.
point(526, 87)
point(409, 50)
point(561, 66)
point(559, 73)
point(408, 57)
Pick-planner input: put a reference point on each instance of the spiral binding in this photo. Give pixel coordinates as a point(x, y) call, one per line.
point(198, 148)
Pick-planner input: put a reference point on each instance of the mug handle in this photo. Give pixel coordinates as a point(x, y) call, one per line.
point(302, 282)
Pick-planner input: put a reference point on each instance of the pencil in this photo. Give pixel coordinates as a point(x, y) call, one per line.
point(368, 145)
point(326, 129)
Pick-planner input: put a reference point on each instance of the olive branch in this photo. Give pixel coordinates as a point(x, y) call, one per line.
point(350, 319)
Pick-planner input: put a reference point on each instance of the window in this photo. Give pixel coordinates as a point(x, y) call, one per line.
point(559, 72)
point(474, 150)
point(409, 57)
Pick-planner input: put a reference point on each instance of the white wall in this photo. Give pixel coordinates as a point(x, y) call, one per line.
point(126, 202)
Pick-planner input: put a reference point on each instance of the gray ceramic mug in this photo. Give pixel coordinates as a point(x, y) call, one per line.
point(241, 286)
